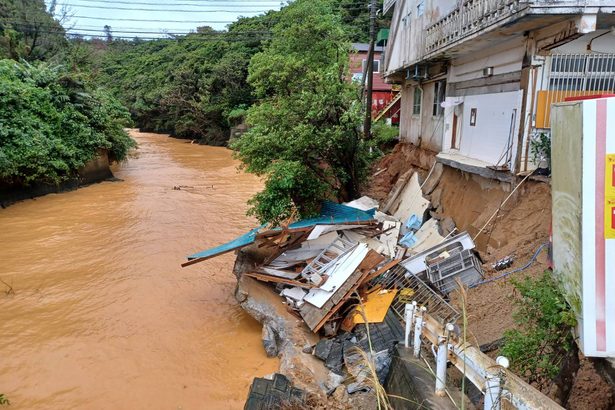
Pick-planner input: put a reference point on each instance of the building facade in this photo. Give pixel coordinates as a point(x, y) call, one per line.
point(478, 77)
point(382, 92)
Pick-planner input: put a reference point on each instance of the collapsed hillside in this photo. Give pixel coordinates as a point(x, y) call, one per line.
point(518, 229)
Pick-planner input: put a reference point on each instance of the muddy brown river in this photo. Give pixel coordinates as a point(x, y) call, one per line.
point(103, 316)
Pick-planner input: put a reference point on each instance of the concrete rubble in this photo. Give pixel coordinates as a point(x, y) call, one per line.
point(329, 291)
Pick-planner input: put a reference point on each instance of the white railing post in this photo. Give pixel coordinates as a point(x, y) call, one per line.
point(493, 386)
point(442, 360)
point(418, 328)
point(409, 316)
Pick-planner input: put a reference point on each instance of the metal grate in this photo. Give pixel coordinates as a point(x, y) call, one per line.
point(461, 266)
point(573, 75)
point(412, 288)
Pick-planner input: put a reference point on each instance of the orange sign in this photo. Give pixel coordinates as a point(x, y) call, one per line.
point(610, 175)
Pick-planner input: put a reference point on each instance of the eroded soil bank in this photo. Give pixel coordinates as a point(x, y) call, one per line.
point(519, 228)
point(102, 315)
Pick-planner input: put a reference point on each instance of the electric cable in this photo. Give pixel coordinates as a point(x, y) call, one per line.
point(522, 268)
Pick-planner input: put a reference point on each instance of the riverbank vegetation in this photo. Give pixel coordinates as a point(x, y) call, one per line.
point(53, 123)
point(52, 120)
point(542, 338)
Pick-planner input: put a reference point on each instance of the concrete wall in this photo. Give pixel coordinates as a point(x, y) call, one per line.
point(505, 58)
point(95, 170)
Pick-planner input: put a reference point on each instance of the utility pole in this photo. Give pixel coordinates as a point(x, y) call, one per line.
point(367, 125)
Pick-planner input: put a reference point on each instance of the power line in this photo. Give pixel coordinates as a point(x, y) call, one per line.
point(153, 20)
point(167, 10)
point(206, 37)
point(54, 30)
point(223, 4)
point(98, 28)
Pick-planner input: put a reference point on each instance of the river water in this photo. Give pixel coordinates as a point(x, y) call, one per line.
point(102, 315)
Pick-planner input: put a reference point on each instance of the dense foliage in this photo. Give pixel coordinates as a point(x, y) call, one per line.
point(543, 335)
point(52, 123)
point(188, 86)
point(304, 136)
point(28, 31)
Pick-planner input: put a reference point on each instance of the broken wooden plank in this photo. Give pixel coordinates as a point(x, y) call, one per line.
point(387, 266)
point(280, 273)
point(316, 318)
point(274, 279)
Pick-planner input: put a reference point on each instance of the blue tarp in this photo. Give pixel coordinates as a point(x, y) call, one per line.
point(330, 214)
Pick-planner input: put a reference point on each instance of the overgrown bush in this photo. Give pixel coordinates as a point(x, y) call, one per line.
point(540, 148)
point(4, 401)
point(52, 123)
point(543, 335)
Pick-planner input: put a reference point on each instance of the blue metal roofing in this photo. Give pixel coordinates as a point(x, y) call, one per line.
point(330, 214)
point(244, 240)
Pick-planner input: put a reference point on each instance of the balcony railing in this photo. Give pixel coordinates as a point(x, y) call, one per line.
point(471, 17)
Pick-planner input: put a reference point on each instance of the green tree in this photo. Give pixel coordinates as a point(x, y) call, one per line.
point(185, 85)
point(28, 31)
point(305, 129)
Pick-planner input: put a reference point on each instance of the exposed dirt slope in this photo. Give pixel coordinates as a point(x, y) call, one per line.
point(520, 227)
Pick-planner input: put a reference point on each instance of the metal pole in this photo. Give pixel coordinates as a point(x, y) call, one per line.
point(418, 328)
point(367, 125)
point(409, 316)
point(442, 360)
point(493, 386)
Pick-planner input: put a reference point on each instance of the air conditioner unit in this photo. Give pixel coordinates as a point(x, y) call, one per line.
point(417, 73)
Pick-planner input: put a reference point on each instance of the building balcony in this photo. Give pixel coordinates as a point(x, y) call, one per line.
point(470, 17)
point(473, 17)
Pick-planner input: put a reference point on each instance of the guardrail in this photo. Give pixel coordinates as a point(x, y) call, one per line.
point(472, 16)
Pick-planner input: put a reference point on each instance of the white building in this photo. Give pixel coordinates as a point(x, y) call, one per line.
point(479, 76)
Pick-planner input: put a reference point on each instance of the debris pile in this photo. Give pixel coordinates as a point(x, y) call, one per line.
point(347, 270)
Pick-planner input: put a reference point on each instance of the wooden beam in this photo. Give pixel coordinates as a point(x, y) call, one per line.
point(387, 266)
point(276, 279)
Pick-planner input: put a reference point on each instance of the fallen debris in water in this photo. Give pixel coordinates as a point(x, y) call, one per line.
point(351, 269)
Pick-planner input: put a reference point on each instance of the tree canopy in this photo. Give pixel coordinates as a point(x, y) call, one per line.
point(189, 85)
point(304, 132)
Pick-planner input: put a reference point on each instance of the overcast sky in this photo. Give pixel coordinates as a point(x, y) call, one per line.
point(90, 16)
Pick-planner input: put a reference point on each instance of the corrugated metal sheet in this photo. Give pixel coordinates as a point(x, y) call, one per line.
point(237, 243)
point(330, 214)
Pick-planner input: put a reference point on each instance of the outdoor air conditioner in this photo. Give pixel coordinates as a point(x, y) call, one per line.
point(417, 73)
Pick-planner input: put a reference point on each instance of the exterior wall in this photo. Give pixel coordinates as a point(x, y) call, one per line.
point(492, 136)
point(382, 93)
point(504, 58)
point(425, 129)
point(356, 67)
point(407, 34)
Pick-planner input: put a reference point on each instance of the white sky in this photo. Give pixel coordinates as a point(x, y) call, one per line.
point(89, 16)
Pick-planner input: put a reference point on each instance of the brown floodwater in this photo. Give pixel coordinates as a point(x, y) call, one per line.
point(103, 316)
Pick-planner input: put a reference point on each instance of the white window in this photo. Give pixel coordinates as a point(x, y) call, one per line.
point(376, 65)
point(416, 104)
point(582, 72)
point(439, 94)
